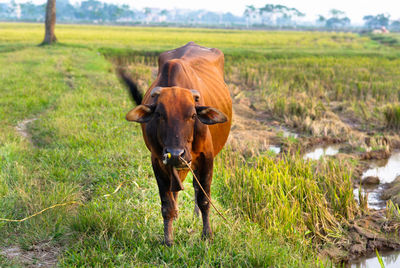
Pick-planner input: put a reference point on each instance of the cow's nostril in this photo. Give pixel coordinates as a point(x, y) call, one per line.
point(173, 155)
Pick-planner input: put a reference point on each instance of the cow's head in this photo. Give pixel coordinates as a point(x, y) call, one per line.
point(173, 120)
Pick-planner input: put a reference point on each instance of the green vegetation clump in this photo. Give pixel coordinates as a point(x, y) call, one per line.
point(392, 116)
point(387, 39)
point(288, 197)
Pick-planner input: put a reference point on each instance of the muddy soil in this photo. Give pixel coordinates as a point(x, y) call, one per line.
point(250, 134)
point(365, 235)
point(392, 192)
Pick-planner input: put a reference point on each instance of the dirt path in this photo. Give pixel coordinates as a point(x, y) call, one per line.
point(39, 255)
point(22, 129)
point(42, 254)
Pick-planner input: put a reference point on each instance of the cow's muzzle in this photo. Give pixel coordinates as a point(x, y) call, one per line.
point(173, 158)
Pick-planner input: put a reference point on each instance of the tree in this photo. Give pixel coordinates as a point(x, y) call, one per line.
point(336, 23)
point(50, 23)
point(65, 11)
point(287, 14)
point(126, 12)
point(147, 12)
point(164, 12)
point(283, 14)
point(249, 13)
point(376, 22)
point(336, 13)
point(14, 10)
point(321, 20)
point(337, 20)
point(92, 10)
point(395, 25)
point(111, 12)
point(266, 13)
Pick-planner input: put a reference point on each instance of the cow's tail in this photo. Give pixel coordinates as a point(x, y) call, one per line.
point(136, 94)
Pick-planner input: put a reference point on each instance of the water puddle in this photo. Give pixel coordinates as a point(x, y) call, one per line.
point(374, 200)
point(275, 149)
point(390, 259)
point(319, 152)
point(386, 170)
point(287, 133)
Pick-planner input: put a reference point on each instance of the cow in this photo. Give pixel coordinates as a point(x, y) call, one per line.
point(185, 117)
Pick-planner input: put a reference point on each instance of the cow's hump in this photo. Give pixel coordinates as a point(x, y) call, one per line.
point(195, 56)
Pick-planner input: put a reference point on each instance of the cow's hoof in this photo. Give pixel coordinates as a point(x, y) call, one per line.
point(206, 235)
point(167, 243)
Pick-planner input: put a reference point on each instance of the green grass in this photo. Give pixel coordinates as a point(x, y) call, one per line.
point(83, 148)
point(280, 211)
point(270, 43)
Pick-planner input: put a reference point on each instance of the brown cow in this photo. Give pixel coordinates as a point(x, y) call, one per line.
point(186, 113)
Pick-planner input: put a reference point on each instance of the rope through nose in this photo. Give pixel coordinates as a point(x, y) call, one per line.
point(166, 157)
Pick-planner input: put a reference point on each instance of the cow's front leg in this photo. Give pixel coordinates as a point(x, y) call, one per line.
point(169, 212)
point(204, 175)
point(169, 208)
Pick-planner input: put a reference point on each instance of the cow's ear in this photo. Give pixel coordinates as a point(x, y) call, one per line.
point(140, 114)
point(210, 116)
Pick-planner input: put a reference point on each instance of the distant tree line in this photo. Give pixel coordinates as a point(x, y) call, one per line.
point(381, 20)
point(268, 16)
point(89, 10)
point(98, 12)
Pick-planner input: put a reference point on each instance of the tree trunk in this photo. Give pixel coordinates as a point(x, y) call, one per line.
point(50, 23)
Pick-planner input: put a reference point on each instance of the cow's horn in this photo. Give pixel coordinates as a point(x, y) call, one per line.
point(155, 91)
point(196, 95)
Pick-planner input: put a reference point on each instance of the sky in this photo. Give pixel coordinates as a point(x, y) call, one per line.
point(354, 9)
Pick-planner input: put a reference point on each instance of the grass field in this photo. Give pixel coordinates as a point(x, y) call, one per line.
point(282, 211)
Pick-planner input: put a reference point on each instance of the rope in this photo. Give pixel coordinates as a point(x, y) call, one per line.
point(58, 205)
point(43, 210)
point(198, 182)
point(116, 190)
